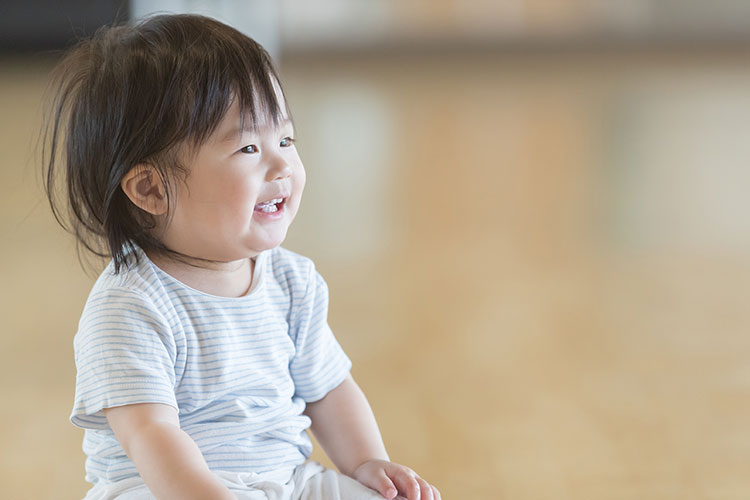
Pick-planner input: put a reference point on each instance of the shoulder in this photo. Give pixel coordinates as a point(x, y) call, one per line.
point(290, 268)
point(137, 276)
point(133, 296)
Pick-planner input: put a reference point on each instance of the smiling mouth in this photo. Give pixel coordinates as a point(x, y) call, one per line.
point(270, 206)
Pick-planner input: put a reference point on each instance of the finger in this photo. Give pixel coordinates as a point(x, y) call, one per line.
point(381, 483)
point(386, 486)
point(406, 482)
point(435, 493)
point(425, 489)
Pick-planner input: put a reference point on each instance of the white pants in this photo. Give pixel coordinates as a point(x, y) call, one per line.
point(309, 481)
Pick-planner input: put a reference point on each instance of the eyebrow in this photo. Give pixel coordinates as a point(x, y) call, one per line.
point(237, 131)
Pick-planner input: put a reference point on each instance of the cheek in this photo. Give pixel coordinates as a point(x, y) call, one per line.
point(300, 179)
point(231, 198)
point(240, 186)
point(298, 187)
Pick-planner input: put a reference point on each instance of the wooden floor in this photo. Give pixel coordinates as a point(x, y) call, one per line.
point(539, 265)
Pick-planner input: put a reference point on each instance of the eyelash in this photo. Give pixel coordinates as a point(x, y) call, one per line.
point(290, 140)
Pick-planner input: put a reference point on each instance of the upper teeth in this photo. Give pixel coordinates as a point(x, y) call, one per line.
point(272, 202)
point(270, 206)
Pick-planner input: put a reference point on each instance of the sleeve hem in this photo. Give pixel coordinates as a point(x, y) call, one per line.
point(334, 382)
point(94, 418)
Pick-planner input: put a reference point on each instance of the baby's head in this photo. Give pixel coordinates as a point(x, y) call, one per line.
point(174, 136)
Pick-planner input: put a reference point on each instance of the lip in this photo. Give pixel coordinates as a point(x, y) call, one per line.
point(269, 216)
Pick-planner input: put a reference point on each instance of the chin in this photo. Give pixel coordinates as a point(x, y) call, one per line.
point(268, 244)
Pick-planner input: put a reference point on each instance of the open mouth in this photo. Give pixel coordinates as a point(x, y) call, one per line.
point(271, 206)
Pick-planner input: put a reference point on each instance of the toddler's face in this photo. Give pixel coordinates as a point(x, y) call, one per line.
point(241, 194)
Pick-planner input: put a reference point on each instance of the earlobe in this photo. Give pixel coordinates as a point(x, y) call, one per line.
point(145, 188)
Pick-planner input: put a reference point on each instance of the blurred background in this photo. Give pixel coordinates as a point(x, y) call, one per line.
point(532, 215)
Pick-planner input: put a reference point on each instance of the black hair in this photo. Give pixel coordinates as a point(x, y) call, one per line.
point(134, 95)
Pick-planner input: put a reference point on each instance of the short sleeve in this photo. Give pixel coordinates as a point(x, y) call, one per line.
point(319, 364)
point(124, 354)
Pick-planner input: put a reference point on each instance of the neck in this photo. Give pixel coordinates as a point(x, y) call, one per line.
point(224, 279)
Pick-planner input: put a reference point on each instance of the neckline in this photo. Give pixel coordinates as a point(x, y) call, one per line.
point(255, 285)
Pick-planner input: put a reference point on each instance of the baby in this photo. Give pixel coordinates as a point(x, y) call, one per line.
point(203, 352)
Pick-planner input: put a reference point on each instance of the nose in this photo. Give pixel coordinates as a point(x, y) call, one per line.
point(278, 169)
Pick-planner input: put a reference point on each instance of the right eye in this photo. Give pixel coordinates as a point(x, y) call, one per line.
point(250, 149)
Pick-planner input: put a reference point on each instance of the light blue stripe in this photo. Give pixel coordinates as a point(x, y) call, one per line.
point(144, 337)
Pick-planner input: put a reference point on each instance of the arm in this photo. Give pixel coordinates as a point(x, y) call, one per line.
point(344, 425)
point(167, 458)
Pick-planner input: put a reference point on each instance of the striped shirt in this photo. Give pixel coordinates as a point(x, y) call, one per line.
point(239, 370)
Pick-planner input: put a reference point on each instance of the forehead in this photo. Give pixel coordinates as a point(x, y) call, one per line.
point(235, 122)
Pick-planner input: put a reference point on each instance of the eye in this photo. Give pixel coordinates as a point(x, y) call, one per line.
point(286, 142)
point(250, 149)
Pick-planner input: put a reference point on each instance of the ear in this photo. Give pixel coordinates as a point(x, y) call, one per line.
point(145, 188)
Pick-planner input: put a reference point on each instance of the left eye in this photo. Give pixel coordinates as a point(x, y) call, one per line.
point(286, 142)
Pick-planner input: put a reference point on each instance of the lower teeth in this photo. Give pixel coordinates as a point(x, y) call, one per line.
point(269, 208)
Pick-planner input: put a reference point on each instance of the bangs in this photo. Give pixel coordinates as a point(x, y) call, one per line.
point(221, 68)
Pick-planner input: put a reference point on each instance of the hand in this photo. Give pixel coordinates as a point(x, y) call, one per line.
point(391, 479)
